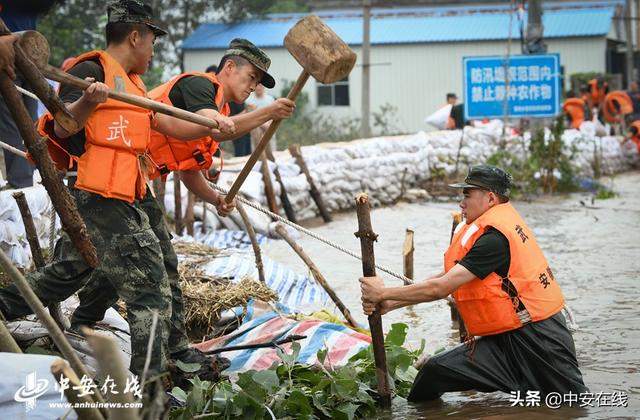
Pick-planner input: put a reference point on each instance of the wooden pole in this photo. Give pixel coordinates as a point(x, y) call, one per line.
point(189, 217)
point(7, 342)
point(295, 151)
point(177, 203)
point(284, 197)
point(203, 227)
point(254, 242)
point(60, 369)
point(30, 229)
point(257, 153)
point(36, 252)
point(268, 185)
point(37, 307)
point(455, 315)
point(280, 229)
point(64, 204)
point(367, 237)
point(407, 254)
point(107, 353)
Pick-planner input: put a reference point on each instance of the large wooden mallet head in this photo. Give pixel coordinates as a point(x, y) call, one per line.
point(319, 50)
point(323, 55)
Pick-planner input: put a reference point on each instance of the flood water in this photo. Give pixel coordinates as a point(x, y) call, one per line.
point(593, 248)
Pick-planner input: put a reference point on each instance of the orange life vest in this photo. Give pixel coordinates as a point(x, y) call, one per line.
point(575, 109)
point(170, 154)
point(484, 305)
point(117, 136)
point(616, 104)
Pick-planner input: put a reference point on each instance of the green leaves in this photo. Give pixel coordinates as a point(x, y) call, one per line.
point(292, 390)
point(187, 367)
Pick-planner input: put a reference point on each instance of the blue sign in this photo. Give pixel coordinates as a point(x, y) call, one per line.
point(533, 86)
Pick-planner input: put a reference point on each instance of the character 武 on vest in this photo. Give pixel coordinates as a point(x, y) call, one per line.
point(117, 136)
point(170, 154)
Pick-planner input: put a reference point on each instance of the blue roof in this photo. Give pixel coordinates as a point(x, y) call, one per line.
point(415, 25)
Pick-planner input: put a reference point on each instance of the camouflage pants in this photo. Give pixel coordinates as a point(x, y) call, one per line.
point(99, 294)
point(130, 261)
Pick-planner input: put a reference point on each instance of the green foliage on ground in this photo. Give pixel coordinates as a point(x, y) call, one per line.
point(291, 390)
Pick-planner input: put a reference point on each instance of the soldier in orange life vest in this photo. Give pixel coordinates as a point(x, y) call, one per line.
point(506, 295)
point(242, 68)
point(108, 153)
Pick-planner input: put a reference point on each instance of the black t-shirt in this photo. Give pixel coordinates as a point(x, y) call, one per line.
point(70, 94)
point(489, 254)
point(193, 93)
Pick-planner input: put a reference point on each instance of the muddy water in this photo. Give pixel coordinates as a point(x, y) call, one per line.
point(594, 249)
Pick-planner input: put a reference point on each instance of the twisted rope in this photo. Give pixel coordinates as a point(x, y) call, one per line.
point(320, 238)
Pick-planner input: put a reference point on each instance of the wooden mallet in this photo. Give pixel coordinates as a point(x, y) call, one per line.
point(36, 46)
point(323, 55)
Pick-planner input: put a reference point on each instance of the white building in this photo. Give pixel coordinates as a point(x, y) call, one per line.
point(417, 53)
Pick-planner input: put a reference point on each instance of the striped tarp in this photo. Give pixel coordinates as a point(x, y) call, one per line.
point(260, 326)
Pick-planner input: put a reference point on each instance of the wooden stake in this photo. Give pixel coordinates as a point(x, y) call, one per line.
point(30, 229)
point(268, 186)
point(295, 151)
point(177, 203)
point(36, 252)
point(367, 237)
point(7, 342)
point(284, 197)
point(203, 227)
point(317, 275)
point(60, 369)
point(455, 315)
point(407, 254)
point(64, 204)
point(108, 355)
point(189, 217)
point(37, 307)
point(254, 242)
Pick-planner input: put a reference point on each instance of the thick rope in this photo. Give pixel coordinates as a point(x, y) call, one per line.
point(299, 228)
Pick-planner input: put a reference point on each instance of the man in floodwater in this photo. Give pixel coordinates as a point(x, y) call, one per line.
point(507, 296)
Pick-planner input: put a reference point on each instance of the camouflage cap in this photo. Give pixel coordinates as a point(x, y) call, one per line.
point(133, 11)
point(257, 57)
point(489, 178)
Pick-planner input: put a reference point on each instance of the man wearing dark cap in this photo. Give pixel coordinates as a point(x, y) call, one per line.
point(507, 297)
point(109, 153)
point(243, 67)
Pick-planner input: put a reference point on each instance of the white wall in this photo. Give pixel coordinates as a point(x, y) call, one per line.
point(415, 77)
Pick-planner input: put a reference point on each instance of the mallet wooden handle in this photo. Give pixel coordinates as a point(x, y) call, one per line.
point(293, 94)
point(68, 79)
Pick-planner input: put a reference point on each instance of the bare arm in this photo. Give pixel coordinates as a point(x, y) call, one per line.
point(390, 298)
point(81, 109)
point(197, 184)
point(185, 130)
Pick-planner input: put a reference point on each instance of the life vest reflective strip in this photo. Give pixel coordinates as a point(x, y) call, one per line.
point(616, 104)
point(575, 109)
point(170, 154)
point(117, 136)
point(485, 305)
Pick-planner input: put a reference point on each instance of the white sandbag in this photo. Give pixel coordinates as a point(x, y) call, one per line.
point(439, 118)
